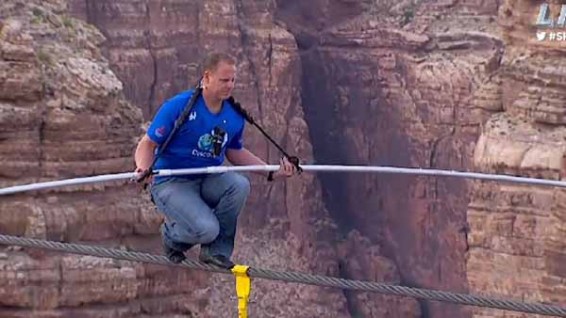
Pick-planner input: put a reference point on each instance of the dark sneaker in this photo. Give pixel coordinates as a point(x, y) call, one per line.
point(218, 260)
point(174, 255)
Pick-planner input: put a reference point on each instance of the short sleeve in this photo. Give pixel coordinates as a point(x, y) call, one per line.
point(164, 120)
point(237, 141)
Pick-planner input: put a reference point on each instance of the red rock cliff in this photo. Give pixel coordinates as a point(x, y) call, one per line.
point(390, 86)
point(518, 233)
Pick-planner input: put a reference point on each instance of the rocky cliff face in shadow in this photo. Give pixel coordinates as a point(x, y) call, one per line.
point(389, 85)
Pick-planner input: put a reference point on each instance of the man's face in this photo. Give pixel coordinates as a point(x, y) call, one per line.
point(220, 82)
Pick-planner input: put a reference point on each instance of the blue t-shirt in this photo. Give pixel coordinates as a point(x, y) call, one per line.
point(192, 145)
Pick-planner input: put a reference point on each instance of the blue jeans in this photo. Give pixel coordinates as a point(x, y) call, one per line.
point(202, 211)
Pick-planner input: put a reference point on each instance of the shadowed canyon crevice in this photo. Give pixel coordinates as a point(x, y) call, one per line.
point(374, 95)
point(353, 205)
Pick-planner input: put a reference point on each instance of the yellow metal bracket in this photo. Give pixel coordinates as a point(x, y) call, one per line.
point(243, 289)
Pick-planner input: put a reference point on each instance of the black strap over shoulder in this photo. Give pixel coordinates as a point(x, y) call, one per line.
point(181, 119)
point(178, 123)
point(238, 107)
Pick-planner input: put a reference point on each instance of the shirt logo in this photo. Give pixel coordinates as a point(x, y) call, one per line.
point(205, 146)
point(160, 132)
point(192, 115)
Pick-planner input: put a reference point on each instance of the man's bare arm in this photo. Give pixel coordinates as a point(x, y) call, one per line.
point(144, 153)
point(244, 157)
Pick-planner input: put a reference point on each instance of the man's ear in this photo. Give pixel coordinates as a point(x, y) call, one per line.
point(207, 74)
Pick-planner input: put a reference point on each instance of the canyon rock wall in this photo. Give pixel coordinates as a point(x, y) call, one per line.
point(391, 85)
point(64, 115)
point(518, 233)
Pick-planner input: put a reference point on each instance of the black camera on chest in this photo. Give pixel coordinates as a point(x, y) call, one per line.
point(218, 135)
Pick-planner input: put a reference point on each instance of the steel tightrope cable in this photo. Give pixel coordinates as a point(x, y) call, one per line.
point(455, 298)
point(104, 252)
point(295, 277)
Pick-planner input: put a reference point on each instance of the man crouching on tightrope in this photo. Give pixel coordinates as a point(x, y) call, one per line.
point(201, 209)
